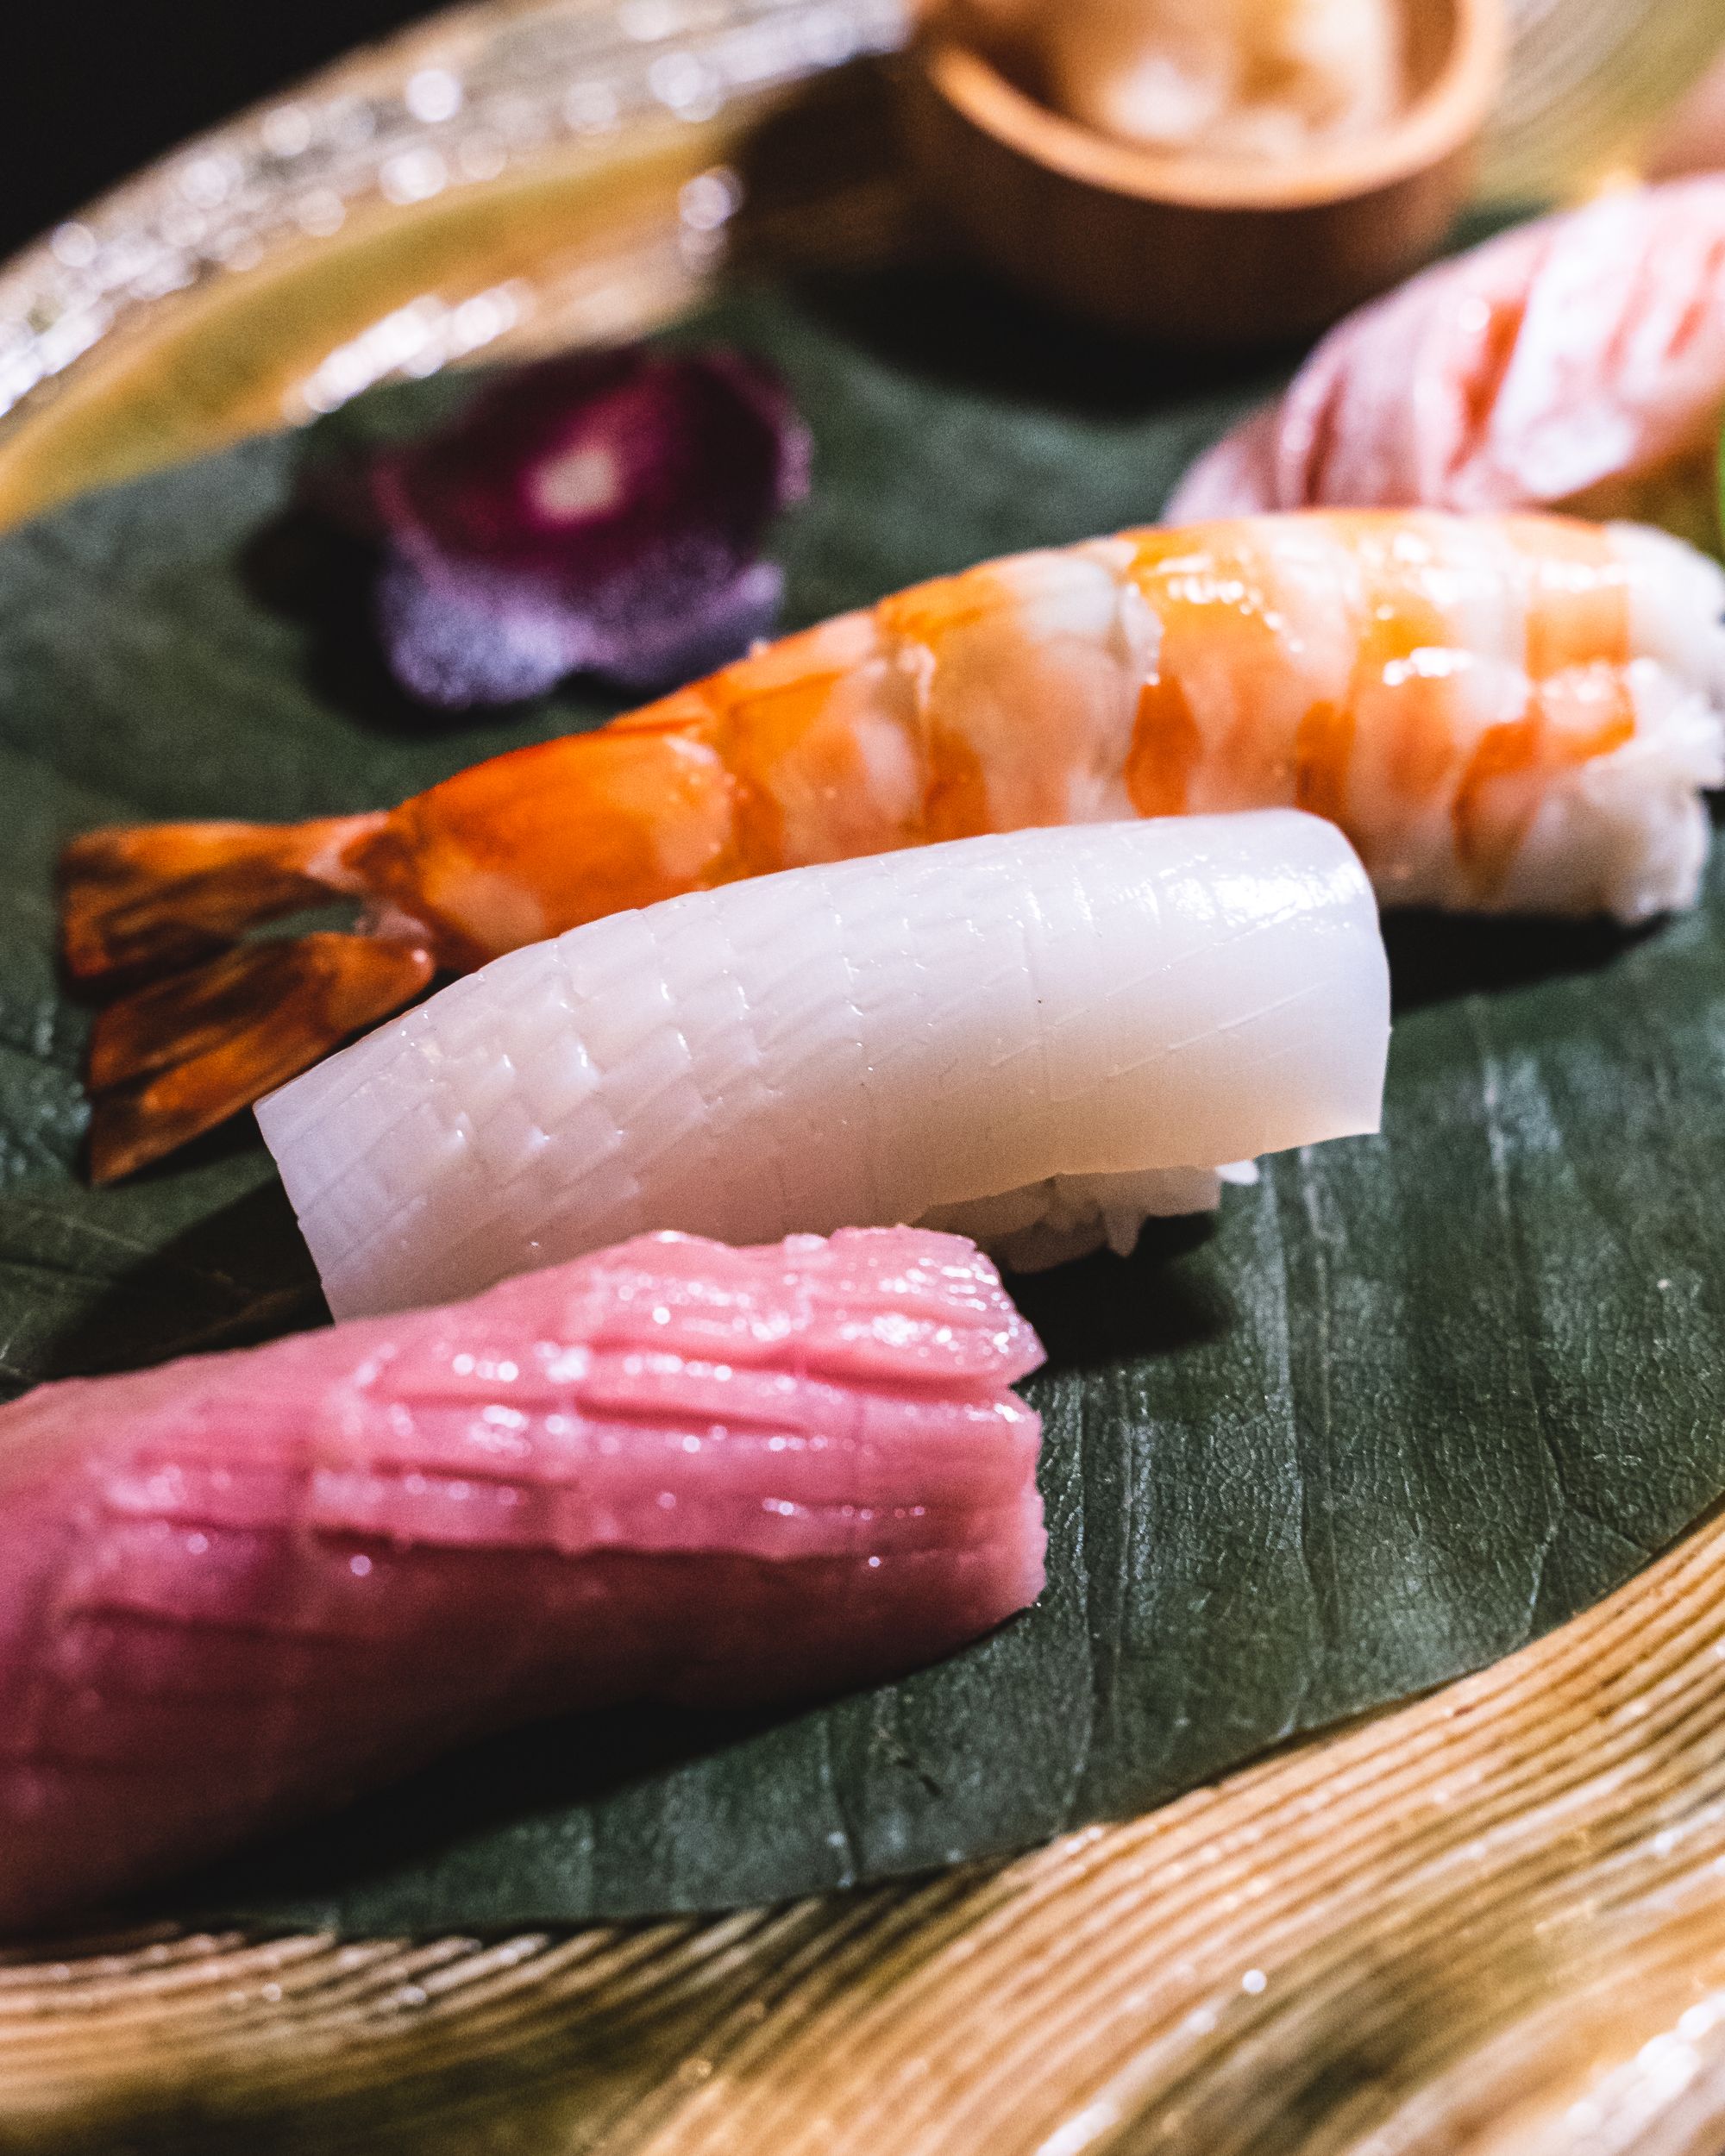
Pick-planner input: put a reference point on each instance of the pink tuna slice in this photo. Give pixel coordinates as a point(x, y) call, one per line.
point(1568, 362)
point(240, 1588)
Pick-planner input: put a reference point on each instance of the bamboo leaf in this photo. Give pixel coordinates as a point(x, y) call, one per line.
point(1411, 1400)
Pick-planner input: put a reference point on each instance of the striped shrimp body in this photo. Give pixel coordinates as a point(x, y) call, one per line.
point(1504, 714)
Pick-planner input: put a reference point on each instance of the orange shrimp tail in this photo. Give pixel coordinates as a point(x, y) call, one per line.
point(170, 1061)
point(158, 895)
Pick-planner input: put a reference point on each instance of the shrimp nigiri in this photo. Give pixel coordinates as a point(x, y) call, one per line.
point(1504, 714)
point(1036, 1038)
point(1575, 361)
point(242, 1586)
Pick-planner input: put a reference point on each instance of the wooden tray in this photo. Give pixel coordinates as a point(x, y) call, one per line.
point(1494, 1920)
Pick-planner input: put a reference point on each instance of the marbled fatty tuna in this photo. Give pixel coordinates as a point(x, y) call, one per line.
point(236, 1588)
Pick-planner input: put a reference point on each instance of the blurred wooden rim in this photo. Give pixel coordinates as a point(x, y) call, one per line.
point(1444, 113)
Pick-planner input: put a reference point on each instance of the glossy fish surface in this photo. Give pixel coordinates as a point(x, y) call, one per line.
point(237, 1589)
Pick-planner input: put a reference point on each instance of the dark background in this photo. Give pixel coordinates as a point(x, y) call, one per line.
point(91, 89)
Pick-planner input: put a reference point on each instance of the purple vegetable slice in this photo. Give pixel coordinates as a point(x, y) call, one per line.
point(602, 513)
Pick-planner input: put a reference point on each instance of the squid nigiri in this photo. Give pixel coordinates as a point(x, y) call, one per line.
point(1040, 1036)
point(1511, 714)
point(1577, 361)
point(236, 1588)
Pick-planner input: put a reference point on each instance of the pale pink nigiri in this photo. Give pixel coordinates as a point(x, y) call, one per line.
point(1577, 362)
point(236, 1588)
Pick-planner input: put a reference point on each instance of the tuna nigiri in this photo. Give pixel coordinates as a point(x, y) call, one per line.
point(1510, 715)
point(234, 1590)
point(1042, 1034)
point(1577, 360)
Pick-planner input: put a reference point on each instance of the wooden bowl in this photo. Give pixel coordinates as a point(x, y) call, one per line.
point(1198, 249)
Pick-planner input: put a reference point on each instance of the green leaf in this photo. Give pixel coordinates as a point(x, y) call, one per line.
point(1409, 1402)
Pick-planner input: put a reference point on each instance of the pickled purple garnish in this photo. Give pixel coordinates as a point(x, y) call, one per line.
point(601, 514)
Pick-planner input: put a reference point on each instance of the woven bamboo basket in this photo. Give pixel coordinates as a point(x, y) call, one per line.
point(1493, 1920)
